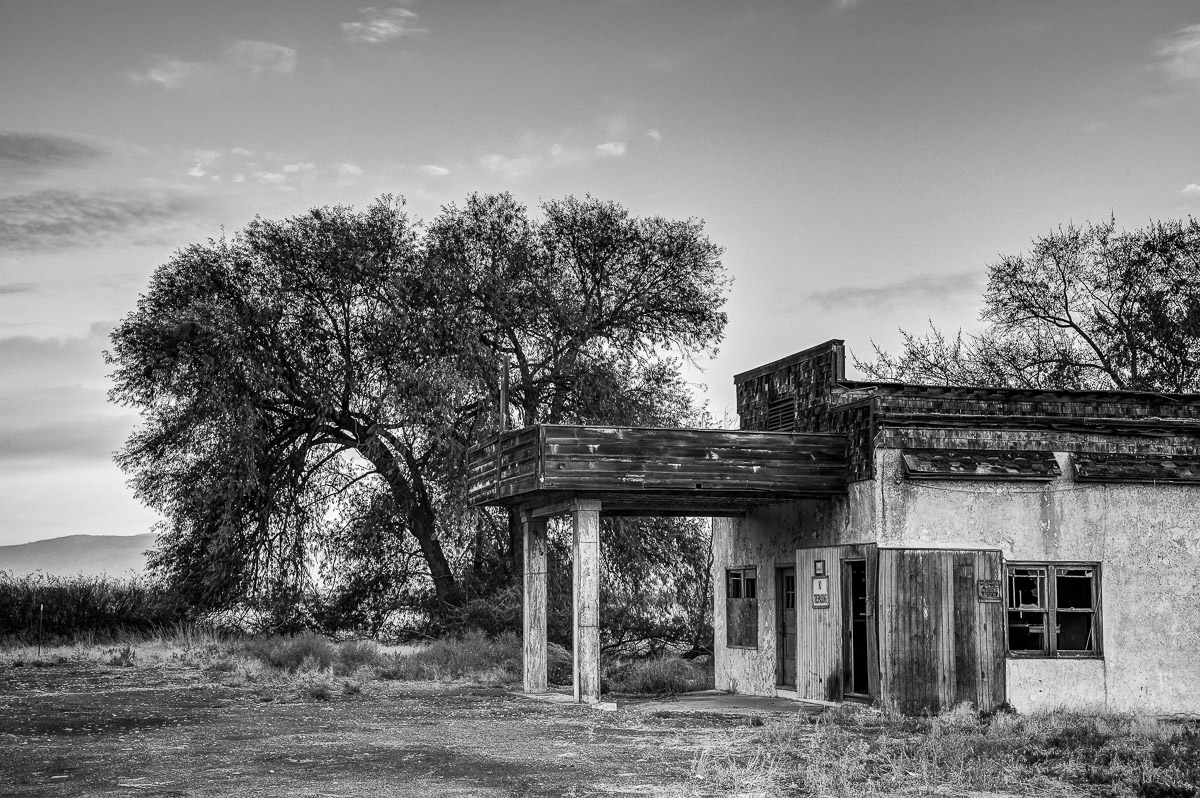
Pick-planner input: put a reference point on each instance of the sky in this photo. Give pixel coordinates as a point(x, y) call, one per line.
point(861, 161)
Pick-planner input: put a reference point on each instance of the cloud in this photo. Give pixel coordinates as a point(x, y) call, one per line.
point(611, 149)
point(1192, 189)
point(257, 58)
point(917, 291)
point(511, 168)
point(172, 73)
point(297, 168)
point(203, 159)
point(346, 169)
point(844, 5)
point(654, 134)
point(1179, 56)
point(16, 288)
point(57, 219)
point(243, 58)
point(274, 178)
point(435, 170)
point(37, 152)
point(380, 26)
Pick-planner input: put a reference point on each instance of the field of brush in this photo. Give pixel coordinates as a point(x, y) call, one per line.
point(305, 715)
point(104, 689)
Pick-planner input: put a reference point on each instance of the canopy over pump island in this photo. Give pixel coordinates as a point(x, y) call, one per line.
point(913, 545)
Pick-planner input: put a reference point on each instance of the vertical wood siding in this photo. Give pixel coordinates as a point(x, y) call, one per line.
point(819, 631)
point(820, 656)
point(938, 644)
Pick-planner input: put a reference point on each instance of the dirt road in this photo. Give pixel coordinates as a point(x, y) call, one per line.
point(93, 730)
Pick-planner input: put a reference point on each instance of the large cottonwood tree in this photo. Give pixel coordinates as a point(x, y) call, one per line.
point(315, 381)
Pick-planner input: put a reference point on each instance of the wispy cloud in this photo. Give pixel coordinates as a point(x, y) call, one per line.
point(611, 149)
point(241, 59)
point(434, 170)
point(257, 58)
point(844, 5)
point(382, 25)
point(37, 152)
point(1179, 56)
point(917, 291)
point(1192, 189)
point(347, 169)
point(510, 168)
point(172, 73)
point(654, 134)
point(16, 288)
point(56, 219)
point(540, 156)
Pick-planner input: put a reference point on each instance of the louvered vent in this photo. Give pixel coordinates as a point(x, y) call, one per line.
point(781, 414)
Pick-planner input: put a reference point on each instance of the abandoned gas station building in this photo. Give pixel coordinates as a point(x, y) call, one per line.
point(913, 545)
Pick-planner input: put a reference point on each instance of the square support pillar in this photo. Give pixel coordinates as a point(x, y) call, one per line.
point(533, 605)
point(585, 582)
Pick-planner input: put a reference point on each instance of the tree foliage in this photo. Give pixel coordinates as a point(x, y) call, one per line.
point(1087, 308)
point(309, 386)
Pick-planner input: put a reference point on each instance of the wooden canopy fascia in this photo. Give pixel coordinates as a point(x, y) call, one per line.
point(651, 471)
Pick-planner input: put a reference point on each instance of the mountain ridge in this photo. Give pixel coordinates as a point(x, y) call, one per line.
point(73, 555)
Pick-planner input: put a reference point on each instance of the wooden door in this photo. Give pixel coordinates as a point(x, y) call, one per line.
point(941, 629)
point(785, 640)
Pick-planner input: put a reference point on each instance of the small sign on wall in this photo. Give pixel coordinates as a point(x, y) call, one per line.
point(989, 589)
point(820, 594)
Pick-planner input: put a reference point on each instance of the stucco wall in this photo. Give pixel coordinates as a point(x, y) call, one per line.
point(767, 538)
point(1147, 539)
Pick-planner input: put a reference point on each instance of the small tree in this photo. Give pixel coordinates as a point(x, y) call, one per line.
point(1087, 308)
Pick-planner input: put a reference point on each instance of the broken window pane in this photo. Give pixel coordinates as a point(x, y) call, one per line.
point(750, 584)
point(1027, 589)
point(1074, 588)
point(734, 588)
point(1027, 631)
point(1075, 631)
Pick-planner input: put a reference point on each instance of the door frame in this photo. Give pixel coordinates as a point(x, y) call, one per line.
point(848, 629)
point(780, 652)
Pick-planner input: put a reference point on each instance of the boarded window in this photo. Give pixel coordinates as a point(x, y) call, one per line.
point(741, 607)
point(1053, 609)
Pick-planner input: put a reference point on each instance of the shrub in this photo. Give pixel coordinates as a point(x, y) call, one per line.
point(661, 675)
point(472, 656)
point(308, 651)
point(353, 655)
point(80, 606)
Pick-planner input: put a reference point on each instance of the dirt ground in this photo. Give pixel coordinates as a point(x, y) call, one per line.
point(85, 729)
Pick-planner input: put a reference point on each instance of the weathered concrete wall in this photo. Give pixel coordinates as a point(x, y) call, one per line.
point(1147, 539)
point(767, 538)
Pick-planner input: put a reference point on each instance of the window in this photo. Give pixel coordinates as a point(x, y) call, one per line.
point(741, 607)
point(1054, 610)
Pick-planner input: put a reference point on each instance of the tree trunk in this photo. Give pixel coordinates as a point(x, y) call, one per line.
point(422, 522)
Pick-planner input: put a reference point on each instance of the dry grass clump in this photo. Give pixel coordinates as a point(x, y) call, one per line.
point(662, 675)
point(473, 656)
point(854, 751)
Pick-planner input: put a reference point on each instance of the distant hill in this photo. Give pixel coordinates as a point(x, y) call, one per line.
point(115, 555)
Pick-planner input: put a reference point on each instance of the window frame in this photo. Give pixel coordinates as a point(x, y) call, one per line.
point(1050, 649)
point(741, 572)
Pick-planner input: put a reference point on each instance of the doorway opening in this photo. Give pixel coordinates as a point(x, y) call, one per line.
point(855, 672)
point(785, 615)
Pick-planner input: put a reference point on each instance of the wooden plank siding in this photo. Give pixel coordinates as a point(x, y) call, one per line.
point(938, 644)
point(819, 631)
point(606, 462)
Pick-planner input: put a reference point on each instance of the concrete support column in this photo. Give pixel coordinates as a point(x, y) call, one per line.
point(586, 589)
point(533, 606)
